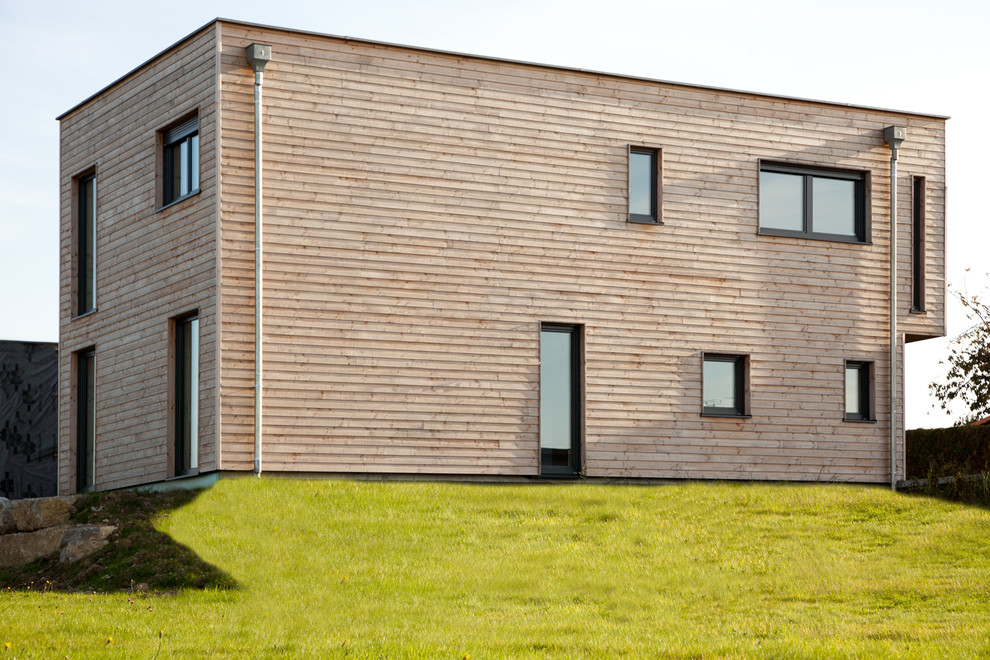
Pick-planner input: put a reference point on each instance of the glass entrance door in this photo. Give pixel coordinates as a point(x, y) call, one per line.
point(560, 406)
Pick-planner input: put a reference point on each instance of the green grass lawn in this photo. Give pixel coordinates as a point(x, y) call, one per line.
point(439, 570)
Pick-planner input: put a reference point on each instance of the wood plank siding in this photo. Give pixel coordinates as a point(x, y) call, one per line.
point(425, 212)
point(151, 266)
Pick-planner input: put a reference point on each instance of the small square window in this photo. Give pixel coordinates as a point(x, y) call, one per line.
point(180, 161)
point(644, 188)
point(859, 392)
point(813, 203)
point(724, 385)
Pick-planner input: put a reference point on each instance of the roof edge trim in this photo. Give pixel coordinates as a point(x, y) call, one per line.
point(490, 58)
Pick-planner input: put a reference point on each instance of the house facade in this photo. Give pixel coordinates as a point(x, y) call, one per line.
point(479, 267)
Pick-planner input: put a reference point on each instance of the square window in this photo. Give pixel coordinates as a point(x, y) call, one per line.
point(180, 161)
point(644, 189)
point(85, 243)
point(724, 385)
point(813, 203)
point(859, 392)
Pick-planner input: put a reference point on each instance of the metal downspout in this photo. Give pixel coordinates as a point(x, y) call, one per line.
point(893, 136)
point(258, 55)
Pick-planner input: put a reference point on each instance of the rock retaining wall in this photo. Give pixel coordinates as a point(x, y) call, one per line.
point(34, 528)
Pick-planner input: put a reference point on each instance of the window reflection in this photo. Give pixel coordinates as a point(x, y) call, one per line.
point(555, 390)
point(781, 201)
point(834, 207)
point(806, 202)
point(641, 183)
point(560, 420)
point(853, 394)
point(719, 383)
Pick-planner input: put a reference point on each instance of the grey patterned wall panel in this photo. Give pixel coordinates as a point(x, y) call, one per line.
point(28, 419)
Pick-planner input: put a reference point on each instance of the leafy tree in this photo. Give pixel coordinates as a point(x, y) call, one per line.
point(968, 379)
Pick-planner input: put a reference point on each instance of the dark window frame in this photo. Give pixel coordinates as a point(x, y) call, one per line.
point(918, 202)
point(741, 372)
point(654, 217)
point(575, 465)
point(85, 419)
point(182, 136)
point(865, 379)
point(861, 210)
point(85, 242)
point(181, 463)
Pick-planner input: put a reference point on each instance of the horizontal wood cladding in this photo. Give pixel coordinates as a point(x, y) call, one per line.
point(424, 213)
point(151, 265)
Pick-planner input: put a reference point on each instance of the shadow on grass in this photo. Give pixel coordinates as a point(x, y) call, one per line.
point(138, 557)
point(969, 489)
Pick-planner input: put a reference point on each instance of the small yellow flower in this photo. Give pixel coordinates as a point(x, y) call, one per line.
point(6, 645)
point(109, 640)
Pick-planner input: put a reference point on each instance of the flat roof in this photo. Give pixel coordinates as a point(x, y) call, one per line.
point(488, 58)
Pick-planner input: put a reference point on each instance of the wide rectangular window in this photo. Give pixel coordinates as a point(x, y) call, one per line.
point(560, 400)
point(644, 185)
point(724, 385)
point(85, 243)
point(918, 245)
point(85, 420)
point(186, 395)
point(180, 165)
point(859, 391)
point(813, 203)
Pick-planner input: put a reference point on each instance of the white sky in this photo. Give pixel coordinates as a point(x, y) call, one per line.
point(907, 55)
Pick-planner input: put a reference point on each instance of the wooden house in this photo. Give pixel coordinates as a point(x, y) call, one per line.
point(476, 267)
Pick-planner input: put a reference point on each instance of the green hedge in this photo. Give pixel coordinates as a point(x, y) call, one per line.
point(951, 451)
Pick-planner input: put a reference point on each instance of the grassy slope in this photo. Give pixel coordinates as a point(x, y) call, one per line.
point(355, 569)
point(139, 555)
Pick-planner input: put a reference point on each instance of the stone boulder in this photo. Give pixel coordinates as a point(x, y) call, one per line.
point(42, 512)
point(34, 528)
point(6, 518)
point(23, 547)
point(74, 543)
point(82, 541)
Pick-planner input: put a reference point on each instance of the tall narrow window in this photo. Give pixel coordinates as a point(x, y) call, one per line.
point(86, 243)
point(186, 395)
point(560, 403)
point(859, 392)
point(180, 167)
point(644, 177)
point(918, 245)
point(724, 385)
point(85, 420)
